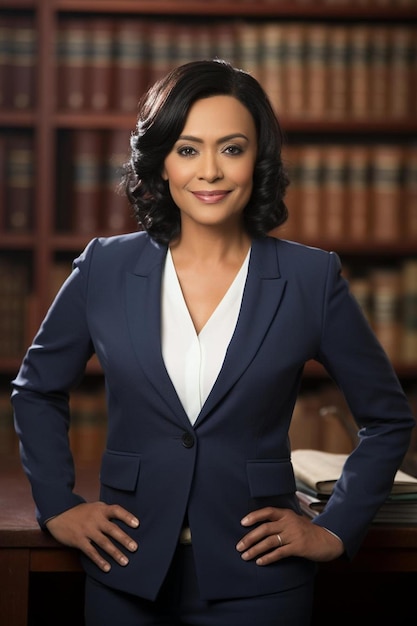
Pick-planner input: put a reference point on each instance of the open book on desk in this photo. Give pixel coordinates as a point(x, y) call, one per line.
point(319, 471)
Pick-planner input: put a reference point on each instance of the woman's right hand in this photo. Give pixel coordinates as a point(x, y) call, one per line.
point(90, 524)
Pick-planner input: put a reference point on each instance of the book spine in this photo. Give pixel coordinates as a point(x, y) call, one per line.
point(99, 65)
point(410, 194)
point(359, 71)
point(409, 312)
point(294, 71)
point(131, 78)
point(387, 323)
point(13, 294)
point(19, 186)
point(310, 193)
point(338, 59)
point(86, 180)
point(386, 193)
point(316, 72)
point(161, 49)
point(400, 72)
point(6, 32)
point(117, 210)
point(357, 191)
point(272, 62)
point(334, 193)
point(23, 58)
point(379, 73)
point(72, 55)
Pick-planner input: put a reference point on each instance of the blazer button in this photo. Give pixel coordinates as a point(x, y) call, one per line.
point(187, 440)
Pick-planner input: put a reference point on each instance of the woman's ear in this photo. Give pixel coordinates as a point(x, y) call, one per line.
point(164, 174)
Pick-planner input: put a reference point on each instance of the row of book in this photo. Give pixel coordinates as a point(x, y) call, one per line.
point(388, 298)
point(318, 70)
point(366, 193)
point(308, 69)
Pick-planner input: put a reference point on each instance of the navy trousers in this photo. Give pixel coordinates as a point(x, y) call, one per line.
point(179, 604)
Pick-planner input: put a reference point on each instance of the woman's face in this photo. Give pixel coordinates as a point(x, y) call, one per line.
point(210, 167)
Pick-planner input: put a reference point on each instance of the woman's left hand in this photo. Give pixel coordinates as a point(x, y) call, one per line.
point(282, 533)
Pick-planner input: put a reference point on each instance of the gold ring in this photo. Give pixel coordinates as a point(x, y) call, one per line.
point(279, 540)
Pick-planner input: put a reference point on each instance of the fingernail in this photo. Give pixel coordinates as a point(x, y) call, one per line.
point(245, 521)
point(106, 568)
point(132, 546)
point(123, 560)
point(134, 522)
point(245, 556)
point(240, 546)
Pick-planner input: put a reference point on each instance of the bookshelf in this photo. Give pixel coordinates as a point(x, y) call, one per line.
point(342, 76)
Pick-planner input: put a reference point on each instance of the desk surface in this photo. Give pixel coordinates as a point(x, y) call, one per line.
point(18, 525)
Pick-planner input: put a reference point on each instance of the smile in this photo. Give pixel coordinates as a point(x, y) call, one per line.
point(210, 197)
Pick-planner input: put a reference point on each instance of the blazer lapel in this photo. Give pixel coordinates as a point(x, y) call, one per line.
point(261, 298)
point(143, 306)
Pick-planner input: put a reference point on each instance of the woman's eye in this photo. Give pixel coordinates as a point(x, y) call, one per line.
point(186, 151)
point(233, 150)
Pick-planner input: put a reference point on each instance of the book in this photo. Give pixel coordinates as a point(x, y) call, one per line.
point(320, 470)
point(316, 71)
point(359, 44)
point(386, 172)
point(334, 193)
point(310, 187)
point(72, 55)
point(408, 349)
point(6, 33)
point(99, 65)
point(116, 208)
point(410, 194)
point(386, 308)
point(87, 180)
point(338, 62)
point(19, 182)
point(393, 510)
point(22, 64)
point(131, 60)
point(358, 193)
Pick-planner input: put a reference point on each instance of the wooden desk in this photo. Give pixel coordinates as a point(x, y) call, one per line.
point(26, 553)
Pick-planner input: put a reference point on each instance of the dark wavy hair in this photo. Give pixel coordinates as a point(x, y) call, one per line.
point(162, 115)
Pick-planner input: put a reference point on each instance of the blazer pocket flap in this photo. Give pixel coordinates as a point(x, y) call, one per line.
point(269, 478)
point(120, 470)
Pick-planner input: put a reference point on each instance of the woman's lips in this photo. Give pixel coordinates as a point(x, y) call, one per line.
point(210, 197)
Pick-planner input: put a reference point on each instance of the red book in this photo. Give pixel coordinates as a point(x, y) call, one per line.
point(19, 185)
point(334, 193)
point(358, 193)
point(131, 75)
point(6, 32)
point(99, 67)
point(72, 54)
point(117, 217)
point(87, 150)
point(310, 193)
point(410, 194)
point(386, 224)
point(23, 62)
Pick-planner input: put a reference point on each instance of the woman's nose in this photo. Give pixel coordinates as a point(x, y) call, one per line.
point(209, 167)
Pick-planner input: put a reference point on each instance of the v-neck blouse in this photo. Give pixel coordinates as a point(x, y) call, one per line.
point(193, 361)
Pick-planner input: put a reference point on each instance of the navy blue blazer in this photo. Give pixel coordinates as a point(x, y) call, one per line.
point(296, 307)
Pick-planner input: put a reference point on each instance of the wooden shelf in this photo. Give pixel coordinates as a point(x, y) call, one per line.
point(258, 9)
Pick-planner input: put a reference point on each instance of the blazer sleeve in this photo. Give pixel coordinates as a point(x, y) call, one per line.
point(353, 356)
point(53, 365)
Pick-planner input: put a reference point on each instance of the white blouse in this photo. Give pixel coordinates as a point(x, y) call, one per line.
point(193, 361)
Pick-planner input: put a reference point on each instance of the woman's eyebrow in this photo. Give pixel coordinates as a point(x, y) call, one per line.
point(220, 140)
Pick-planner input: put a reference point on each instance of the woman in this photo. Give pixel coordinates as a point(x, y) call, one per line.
point(202, 325)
